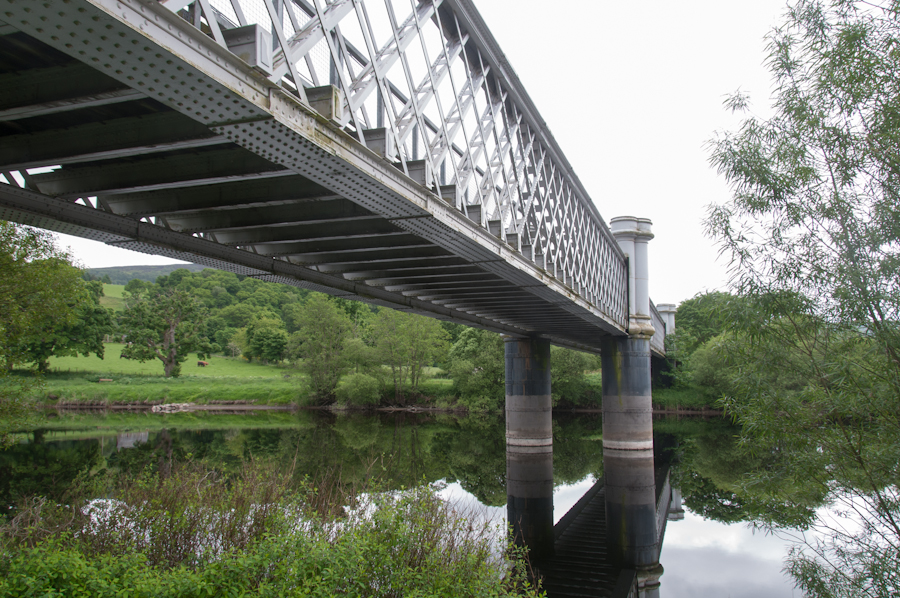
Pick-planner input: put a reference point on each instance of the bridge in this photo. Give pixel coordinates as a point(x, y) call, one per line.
point(361, 149)
point(376, 150)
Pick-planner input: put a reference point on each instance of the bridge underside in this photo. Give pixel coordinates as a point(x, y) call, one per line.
point(144, 150)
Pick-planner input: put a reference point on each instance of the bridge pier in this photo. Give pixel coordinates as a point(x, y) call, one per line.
point(628, 416)
point(529, 443)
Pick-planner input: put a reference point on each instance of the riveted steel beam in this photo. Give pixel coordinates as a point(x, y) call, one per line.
point(366, 243)
point(326, 212)
point(307, 232)
point(352, 257)
point(43, 91)
point(282, 190)
point(157, 172)
point(105, 140)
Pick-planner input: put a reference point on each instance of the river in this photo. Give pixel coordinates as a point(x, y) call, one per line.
point(710, 550)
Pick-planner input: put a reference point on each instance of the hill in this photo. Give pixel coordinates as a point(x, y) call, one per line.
point(122, 274)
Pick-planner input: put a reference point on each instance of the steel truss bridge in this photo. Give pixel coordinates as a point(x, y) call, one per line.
point(377, 150)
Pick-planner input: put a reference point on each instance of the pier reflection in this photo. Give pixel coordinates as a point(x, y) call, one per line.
point(609, 543)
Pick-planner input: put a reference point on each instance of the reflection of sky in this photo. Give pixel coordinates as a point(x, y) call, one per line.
point(564, 498)
point(701, 558)
point(710, 559)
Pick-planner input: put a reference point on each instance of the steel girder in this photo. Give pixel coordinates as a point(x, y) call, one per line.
point(425, 178)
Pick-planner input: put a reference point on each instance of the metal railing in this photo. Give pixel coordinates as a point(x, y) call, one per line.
point(658, 340)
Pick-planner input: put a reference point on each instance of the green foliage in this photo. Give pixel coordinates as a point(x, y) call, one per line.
point(84, 334)
point(267, 340)
point(38, 286)
point(699, 319)
point(121, 275)
point(359, 389)
point(407, 343)
point(165, 325)
point(478, 369)
point(324, 328)
point(812, 231)
point(569, 383)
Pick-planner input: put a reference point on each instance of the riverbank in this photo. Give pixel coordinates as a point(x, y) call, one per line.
point(93, 390)
point(114, 383)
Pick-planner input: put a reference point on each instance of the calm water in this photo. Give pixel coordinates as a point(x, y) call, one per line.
point(702, 556)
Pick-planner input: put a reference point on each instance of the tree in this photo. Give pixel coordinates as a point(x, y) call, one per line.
point(266, 340)
point(36, 282)
point(324, 328)
point(164, 325)
point(567, 374)
point(816, 204)
point(407, 343)
point(813, 232)
point(84, 335)
point(478, 369)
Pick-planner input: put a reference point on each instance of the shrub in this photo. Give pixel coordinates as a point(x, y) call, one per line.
point(359, 389)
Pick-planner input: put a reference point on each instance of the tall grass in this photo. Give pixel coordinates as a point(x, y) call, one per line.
point(188, 530)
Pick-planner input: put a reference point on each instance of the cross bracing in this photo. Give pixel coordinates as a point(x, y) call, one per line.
point(381, 150)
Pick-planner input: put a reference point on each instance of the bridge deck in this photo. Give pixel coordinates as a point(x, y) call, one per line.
point(122, 121)
point(580, 566)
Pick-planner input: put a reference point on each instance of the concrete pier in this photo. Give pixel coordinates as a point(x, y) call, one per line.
point(631, 509)
point(627, 402)
point(529, 443)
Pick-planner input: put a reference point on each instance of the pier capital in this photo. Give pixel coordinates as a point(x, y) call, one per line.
point(633, 235)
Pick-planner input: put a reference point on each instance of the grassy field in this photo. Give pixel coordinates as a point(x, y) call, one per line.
point(112, 297)
point(63, 389)
point(114, 366)
point(76, 380)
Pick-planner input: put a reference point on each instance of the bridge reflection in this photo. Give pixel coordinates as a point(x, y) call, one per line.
point(608, 544)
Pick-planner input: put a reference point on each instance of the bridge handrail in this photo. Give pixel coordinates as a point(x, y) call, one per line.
point(496, 56)
point(487, 151)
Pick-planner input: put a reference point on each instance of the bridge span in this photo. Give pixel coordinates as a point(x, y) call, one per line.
point(383, 151)
point(378, 150)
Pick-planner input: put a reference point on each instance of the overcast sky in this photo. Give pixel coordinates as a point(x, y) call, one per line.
point(631, 92)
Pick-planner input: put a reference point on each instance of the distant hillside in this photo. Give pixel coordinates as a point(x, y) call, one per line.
point(122, 274)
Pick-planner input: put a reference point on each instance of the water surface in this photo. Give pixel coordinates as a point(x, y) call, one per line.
point(716, 555)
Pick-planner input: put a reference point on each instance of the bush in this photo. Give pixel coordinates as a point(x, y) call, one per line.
point(359, 389)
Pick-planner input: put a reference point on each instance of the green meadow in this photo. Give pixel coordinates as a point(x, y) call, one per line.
point(112, 297)
point(114, 365)
point(77, 380)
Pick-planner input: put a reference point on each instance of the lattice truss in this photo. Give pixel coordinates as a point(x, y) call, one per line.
point(412, 82)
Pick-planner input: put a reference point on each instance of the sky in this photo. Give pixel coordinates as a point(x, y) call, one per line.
point(632, 92)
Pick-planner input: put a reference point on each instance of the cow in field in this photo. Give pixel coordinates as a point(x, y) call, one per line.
point(202, 364)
